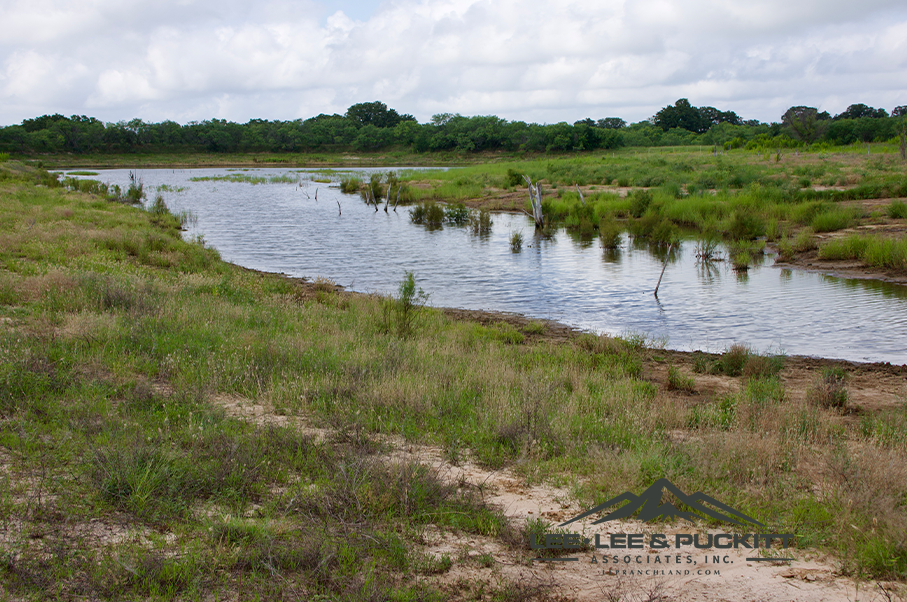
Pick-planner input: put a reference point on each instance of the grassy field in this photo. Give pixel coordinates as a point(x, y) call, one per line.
point(121, 477)
point(738, 197)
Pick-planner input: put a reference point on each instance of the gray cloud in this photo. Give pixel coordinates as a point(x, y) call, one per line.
point(185, 59)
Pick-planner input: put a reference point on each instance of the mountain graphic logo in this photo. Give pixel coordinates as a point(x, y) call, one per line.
point(650, 506)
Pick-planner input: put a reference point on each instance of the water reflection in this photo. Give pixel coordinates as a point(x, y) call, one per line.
point(705, 305)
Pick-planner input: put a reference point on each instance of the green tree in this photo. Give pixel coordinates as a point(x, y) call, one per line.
point(611, 123)
point(805, 123)
point(681, 115)
point(860, 110)
point(376, 114)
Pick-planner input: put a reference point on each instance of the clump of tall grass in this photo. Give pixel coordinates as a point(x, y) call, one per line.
point(350, 184)
point(609, 233)
point(831, 221)
point(897, 210)
point(804, 241)
point(678, 381)
point(745, 225)
point(428, 213)
point(480, 222)
point(456, 214)
point(374, 189)
point(707, 250)
point(516, 241)
point(135, 194)
point(828, 389)
point(733, 359)
point(872, 251)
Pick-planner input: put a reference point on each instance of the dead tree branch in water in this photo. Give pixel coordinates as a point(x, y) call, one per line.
point(535, 198)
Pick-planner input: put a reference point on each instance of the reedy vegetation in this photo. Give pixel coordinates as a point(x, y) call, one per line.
point(118, 336)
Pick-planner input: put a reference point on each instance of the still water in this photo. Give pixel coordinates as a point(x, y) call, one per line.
point(280, 227)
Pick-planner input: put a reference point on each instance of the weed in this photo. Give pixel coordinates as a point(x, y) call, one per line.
point(350, 184)
point(480, 222)
point(677, 381)
point(805, 241)
point(828, 389)
point(733, 360)
point(456, 214)
point(897, 210)
point(535, 328)
point(406, 304)
point(610, 234)
point(516, 241)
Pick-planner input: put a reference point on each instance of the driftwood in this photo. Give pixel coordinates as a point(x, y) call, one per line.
point(535, 198)
point(667, 256)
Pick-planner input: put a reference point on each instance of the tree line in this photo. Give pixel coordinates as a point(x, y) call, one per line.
point(372, 126)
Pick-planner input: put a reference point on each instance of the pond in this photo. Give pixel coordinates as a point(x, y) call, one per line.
point(281, 227)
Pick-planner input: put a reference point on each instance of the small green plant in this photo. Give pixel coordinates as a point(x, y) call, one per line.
point(805, 241)
point(428, 213)
point(350, 185)
point(158, 207)
point(480, 222)
point(4, 157)
point(457, 214)
point(374, 190)
point(897, 210)
point(678, 381)
point(785, 249)
point(732, 361)
point(534, 328)
point(516, 241)
point(609, 233)
point(135, 194)
point(407, 302)
point(828, 389)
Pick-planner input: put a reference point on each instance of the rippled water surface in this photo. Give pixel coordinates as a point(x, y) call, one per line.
point(281, 228)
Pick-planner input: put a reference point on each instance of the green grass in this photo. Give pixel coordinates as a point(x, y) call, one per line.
point(873, 251)
point(121, 342)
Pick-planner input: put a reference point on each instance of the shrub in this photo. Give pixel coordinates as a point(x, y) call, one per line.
point(480, 222)
point(350, 185)
point(677, 381)
point(640, 201)
point(828, 389)
point(745, 225)
point(609, 232)
point(831, 221)
point(732, 361)
point(805, 241)
point(407, 302)
point(428, 213)
point(457, 214)
point(897, 210)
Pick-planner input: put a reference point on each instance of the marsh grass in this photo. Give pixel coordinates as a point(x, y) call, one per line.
point(516, 242)
point(872, 251)
point(897, 210)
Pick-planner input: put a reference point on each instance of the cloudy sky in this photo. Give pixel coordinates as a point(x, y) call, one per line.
point(530, 60)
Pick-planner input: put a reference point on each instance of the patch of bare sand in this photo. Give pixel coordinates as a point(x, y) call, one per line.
point(696, 577)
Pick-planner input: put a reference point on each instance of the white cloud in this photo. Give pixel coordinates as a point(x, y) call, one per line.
point(196, 59)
